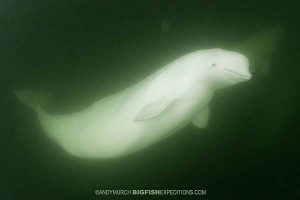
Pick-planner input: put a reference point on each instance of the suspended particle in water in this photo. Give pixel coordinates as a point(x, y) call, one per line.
point(166, 25)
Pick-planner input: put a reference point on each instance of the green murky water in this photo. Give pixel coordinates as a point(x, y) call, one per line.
point(81, 51)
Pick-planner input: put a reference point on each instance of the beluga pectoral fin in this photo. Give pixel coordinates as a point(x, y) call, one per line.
point(152, 110)
point(201, 120)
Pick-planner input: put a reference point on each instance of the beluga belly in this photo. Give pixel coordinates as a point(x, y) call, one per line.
point(147, 112)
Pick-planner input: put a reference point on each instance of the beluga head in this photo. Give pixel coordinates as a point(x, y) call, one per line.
point(218, 67)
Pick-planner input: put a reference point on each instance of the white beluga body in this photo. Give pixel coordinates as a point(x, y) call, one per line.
point(147, 112)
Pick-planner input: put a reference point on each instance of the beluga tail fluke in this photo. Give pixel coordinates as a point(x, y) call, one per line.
point(147, 112)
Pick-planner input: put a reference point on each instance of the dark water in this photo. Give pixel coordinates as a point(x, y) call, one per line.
point(84, 50)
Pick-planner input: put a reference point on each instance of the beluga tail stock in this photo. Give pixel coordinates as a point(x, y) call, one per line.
point(147, 112)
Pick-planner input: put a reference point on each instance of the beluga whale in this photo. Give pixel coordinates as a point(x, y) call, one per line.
point(148, 111)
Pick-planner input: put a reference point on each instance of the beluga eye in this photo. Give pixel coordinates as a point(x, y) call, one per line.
point(213, 64)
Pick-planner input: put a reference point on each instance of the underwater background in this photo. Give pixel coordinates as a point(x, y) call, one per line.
point(81, 51)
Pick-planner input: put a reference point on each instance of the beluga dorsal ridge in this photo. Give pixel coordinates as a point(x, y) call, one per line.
point(147, 112)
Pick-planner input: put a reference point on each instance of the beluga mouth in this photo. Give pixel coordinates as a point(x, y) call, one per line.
point(238, 74)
